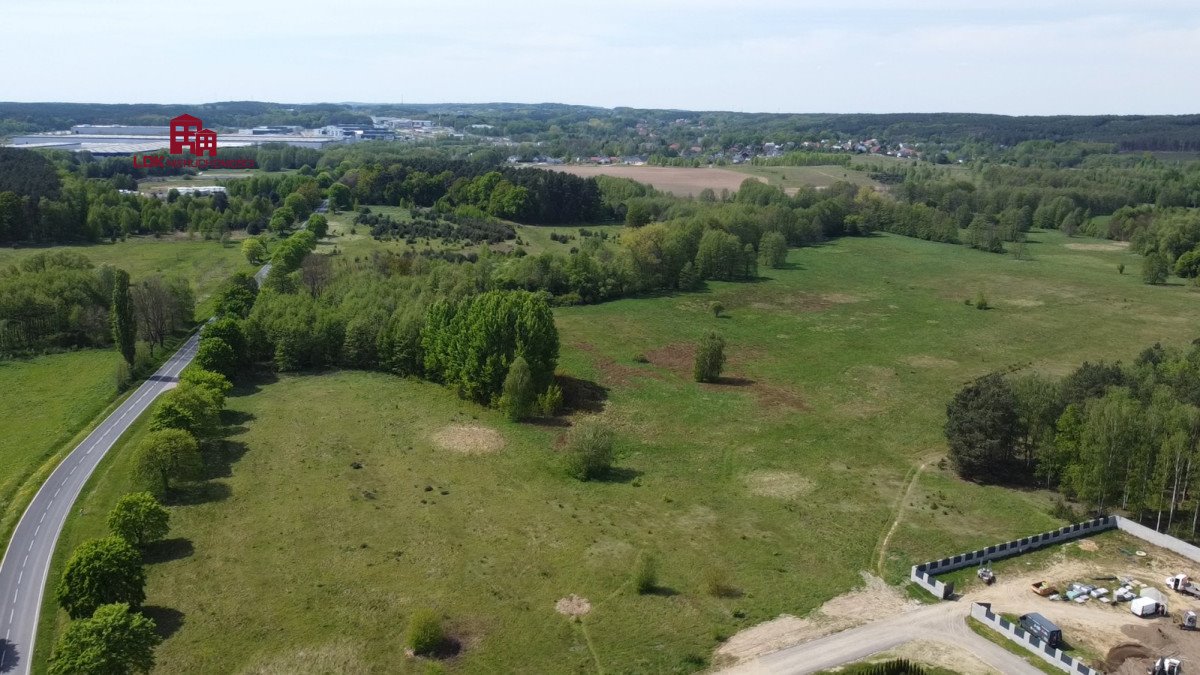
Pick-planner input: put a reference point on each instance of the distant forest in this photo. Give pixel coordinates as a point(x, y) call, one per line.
point(559, 122)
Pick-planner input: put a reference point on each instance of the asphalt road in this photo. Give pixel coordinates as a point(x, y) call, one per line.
point(944, 622)
point(27, 560)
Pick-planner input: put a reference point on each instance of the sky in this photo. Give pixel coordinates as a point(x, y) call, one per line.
point(1018, 57)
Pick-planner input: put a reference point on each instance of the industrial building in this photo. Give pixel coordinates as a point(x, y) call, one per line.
point(115, 140)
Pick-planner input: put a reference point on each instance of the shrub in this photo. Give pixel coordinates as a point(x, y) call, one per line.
point(641, 358)
point(1121, 268)
point(518, 398)
point(589, 451)
point(718, 582)
point(1154, 268)
point(645, 574)
point(425, 635)
point(710, 358)
point(716, 308)
point(981, 301)
point(550, 401)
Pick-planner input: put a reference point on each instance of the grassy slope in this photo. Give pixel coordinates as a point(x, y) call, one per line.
point(791, 482)
point(49, 399)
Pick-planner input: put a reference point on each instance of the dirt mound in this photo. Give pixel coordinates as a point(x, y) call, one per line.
point(573, 606)
point(469, 439)
point(779, 484)
point(1119, 654)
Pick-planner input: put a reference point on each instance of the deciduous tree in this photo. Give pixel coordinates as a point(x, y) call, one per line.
point(100, 572)
point(112, 641)
point(139, 519)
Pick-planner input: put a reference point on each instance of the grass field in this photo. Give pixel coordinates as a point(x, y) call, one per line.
point(204, 263)
point(817, 457)
point(790, 178)
point(48, 399)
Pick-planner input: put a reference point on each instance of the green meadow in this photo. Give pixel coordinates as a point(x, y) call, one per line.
point(339, 503)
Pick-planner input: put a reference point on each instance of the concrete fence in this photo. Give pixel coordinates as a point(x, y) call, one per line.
point(923, 574)
point(1158, 538)
point(1035, 645)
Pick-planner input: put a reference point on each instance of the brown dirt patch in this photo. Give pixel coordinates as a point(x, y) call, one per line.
point(1122, 653)
point(770, 396)
point(1111, 246)
point(469, 439)
point(680, 181)
point(613, 372)
point(573, 606)
point(678, 357)
point(1089, 545)
point(1023, 302)
point(778, 484)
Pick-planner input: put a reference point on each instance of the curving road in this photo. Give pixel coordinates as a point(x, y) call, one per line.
point(944, 622)
point(27, 560)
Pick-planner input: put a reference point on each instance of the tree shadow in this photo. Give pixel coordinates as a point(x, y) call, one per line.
point(449, 648)
point(581, 395)
point(234, 420)
point(167, 550)
point(9, 658)
point(662, 591)
point(729, 381)
point(618, 474)
point(198, 493)
point(254, 382)
point(167, 620)
point(551, 422)
point(220, 457)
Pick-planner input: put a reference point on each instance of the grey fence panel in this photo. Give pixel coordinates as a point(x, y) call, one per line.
point(1051, 655)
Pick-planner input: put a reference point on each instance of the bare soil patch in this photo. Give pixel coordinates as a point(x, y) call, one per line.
point(612, 371)
point(1110, 246)
point(874, 600)
point(680, 181)
point(469, 439)
point(573, 606)
point(680, 357)
point(778, 484)
point(939, 654)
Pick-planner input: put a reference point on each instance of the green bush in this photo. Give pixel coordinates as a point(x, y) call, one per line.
point(425, 635)
point(550, 401)
point(710, 358)
point(589, 451)
point(718, 582)
point(716, 308)
point(981, 301)
point(645, 574)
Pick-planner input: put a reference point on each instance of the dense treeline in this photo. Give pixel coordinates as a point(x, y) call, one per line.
point(1111, 436)
point(30, 117)
point(526, 195)
point(59, 300)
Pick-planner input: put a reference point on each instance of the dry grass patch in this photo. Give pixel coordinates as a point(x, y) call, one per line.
point(334, 658)
point(778, 484)
point(573, 606)
point(928, 361)
point(1111, 246)
point(469, 439)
